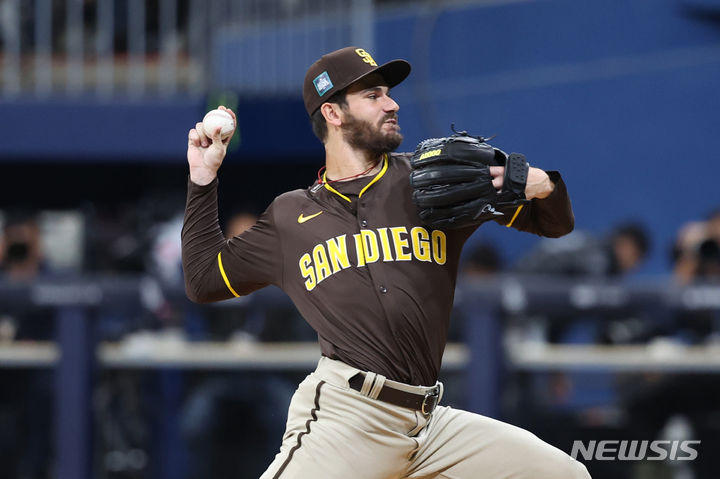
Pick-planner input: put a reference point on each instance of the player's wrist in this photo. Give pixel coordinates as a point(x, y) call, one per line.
point(539, 185)
point(544, 189)
point(545, 192)
point(202, 176)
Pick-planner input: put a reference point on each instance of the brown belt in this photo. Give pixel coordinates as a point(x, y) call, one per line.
point(424, 403)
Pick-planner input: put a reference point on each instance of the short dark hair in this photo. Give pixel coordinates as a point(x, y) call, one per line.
point(484, 257)
point(317, 120)
point(637, 233)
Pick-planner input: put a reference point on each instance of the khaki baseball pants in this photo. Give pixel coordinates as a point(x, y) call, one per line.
point(335, 432)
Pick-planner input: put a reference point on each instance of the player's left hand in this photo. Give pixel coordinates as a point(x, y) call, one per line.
point(538, 182)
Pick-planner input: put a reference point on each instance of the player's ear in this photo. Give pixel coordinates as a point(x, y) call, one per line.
point(332, 113)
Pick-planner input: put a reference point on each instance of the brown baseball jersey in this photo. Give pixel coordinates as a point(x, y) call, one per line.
point(373, 281)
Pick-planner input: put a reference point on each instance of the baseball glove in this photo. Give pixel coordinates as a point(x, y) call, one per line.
point(452, 185)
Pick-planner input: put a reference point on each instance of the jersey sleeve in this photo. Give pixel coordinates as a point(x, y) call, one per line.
point(216, 268)
point(551, 217)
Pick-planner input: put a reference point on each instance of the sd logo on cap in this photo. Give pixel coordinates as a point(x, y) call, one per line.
point(339, 69)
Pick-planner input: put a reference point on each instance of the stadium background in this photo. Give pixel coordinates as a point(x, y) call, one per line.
point(96, 100)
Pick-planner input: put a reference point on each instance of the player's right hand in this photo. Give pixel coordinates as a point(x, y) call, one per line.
point(205, 155)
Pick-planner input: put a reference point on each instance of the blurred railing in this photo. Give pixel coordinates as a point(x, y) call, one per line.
point(163, 47)
point(482, 304)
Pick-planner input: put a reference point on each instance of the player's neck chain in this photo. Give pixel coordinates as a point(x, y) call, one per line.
point(323, 178)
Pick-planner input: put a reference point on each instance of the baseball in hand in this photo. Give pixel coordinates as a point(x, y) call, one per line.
point(218, 118)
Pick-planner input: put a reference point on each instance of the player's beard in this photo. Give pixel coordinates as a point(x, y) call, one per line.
point(363, 135)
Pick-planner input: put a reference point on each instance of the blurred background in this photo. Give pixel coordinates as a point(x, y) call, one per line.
point(611, 333)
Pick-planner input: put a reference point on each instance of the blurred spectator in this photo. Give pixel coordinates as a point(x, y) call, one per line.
point(651, 400)
point(231, 421)
point(698, 325)
point(483, 261)
point(116, 237)
point(164, 261)
point(21, 261)
point(582, 255)
point(579, 399)
point(696, 252)
point(133, 409)
point(238, 223)
point(26, 394)
point(20, 253)
point(244, 321)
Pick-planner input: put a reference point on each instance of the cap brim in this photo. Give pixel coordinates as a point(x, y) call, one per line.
point(393, 72)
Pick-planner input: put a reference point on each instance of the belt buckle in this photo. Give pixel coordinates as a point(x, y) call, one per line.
point(430, 401)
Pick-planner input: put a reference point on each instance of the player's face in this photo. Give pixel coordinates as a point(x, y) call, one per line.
point(370, 120)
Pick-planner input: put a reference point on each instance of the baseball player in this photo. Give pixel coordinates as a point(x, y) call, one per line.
point(376, 284)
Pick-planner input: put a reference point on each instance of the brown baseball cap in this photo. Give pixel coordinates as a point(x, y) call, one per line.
point(341, 68)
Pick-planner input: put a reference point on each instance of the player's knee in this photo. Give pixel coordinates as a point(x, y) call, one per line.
point(582, 470)
point(561, 466)
point(574, 469)
point(546, 461)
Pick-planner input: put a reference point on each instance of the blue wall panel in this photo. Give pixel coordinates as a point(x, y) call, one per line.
point(620, 95)
point(154, 131)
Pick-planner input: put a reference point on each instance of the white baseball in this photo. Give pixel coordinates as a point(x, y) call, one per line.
point(218, 118)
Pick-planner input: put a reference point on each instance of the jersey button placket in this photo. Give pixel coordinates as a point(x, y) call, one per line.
point(363, 223)
point(383, 289)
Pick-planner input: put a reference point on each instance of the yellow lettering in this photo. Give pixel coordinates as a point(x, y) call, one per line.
point(430, 154)
point(365, 56)
point(307, 271)
point(400, 243)
point(322, 265)
point(420, 243)
point(337, 250)
point(370, 246)
point(439, 244)
point(385, 243)
point(359, 250)
point(393, 243)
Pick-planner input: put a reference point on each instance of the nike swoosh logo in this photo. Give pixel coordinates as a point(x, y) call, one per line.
point(303, 219)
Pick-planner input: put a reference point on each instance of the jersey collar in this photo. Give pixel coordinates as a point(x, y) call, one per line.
point(378, 175)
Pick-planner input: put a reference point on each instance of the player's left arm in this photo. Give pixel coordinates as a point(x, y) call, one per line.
point(549, 212)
